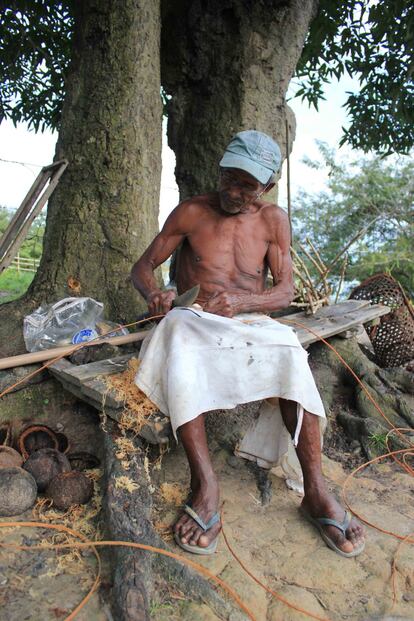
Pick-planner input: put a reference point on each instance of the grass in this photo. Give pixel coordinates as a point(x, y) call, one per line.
point(378, 442)
point(13, 284)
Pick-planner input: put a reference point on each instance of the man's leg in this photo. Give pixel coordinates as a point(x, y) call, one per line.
point(204, 485)
point(317, 501)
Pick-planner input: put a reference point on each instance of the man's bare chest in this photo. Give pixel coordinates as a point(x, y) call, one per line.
point(229, 243)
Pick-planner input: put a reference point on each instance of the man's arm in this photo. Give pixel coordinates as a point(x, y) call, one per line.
point(164, 244)
point(279, 260)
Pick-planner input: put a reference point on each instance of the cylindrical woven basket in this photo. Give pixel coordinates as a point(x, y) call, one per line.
point(393, 338)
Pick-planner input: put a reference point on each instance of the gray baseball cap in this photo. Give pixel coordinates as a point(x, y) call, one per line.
point(254, 152)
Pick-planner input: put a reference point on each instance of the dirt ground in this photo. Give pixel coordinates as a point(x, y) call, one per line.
point(287, 554)
point(274, 542)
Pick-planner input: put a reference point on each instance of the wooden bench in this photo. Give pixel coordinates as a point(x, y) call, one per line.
point(87, 382)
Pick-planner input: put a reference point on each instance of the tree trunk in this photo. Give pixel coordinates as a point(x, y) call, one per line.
point(104, 211)
point(227, 65)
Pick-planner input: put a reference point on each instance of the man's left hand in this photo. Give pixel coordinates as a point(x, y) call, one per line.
point(224, 304)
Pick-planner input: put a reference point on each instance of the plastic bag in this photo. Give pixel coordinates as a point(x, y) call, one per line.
point(69, 321)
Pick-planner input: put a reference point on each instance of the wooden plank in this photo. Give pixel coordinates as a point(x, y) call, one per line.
point(326, 311)
point(326, 327)
point(79, 374)
point(359, 316)
point(338, 310)
point(95, 392)
point(86, 383)
point(110, 366)
point(114, 413)
point(94, 388)
point(61, 369)
point(157, 429)
point(98, 390)
point(327, 322)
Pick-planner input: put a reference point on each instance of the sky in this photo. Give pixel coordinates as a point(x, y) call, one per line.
point(36, 150)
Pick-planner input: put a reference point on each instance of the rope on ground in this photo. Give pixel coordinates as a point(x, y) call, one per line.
point(85, 543)
point(402, 463)
point(264, 586)
point(394, 569)
point(361, 517)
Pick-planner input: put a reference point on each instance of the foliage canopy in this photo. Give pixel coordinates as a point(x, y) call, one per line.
point(372, 40)
point(35, 50)
point(367, 192)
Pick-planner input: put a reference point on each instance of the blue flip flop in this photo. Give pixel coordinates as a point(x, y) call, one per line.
point(205, 527)
point(319, 523)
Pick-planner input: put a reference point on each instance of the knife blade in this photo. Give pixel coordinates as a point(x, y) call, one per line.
point(187, 298)
point(184, 299)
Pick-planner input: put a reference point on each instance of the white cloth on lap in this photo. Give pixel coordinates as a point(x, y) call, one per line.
point(195, 362)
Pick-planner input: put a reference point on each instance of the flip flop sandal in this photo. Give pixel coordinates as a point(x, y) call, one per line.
point(205, 527)
point(319, 523)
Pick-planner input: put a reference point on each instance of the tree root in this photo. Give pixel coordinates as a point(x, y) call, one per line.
point(389, 388)
point(128, 517)
point(11, 325)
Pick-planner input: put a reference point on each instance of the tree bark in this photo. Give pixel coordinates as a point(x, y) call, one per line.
point(104, 212)
point(227, 65)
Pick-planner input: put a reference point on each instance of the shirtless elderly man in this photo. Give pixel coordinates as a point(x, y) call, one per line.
point(229, 240)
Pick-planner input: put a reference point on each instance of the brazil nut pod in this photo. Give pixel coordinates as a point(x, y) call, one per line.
point(18, 491)
point(9, 457)
point(44, 465)
point(70, 488)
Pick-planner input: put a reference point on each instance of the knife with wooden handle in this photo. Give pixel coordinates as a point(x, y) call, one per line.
point(185, 299)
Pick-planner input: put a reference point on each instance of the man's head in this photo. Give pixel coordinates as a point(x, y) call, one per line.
point(247, 169)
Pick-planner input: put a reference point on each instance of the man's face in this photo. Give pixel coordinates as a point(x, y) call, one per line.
point(237, 189)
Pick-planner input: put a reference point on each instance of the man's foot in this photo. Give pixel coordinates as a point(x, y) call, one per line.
point(204, 502)
point(317, 504)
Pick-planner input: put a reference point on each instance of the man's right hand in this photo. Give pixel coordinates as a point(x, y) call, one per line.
point(160, 301)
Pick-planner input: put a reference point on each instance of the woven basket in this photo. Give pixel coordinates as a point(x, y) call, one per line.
point(393, 337)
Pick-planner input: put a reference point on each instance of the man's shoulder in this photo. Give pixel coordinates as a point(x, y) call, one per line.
point(196, 204)
point(274, 214)
point(189, 213)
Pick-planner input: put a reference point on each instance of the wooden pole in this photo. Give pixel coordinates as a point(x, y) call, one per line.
point(341, 279)
point(48, 354)
point(289, 204)
point(18, 229)
point(20, 215)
